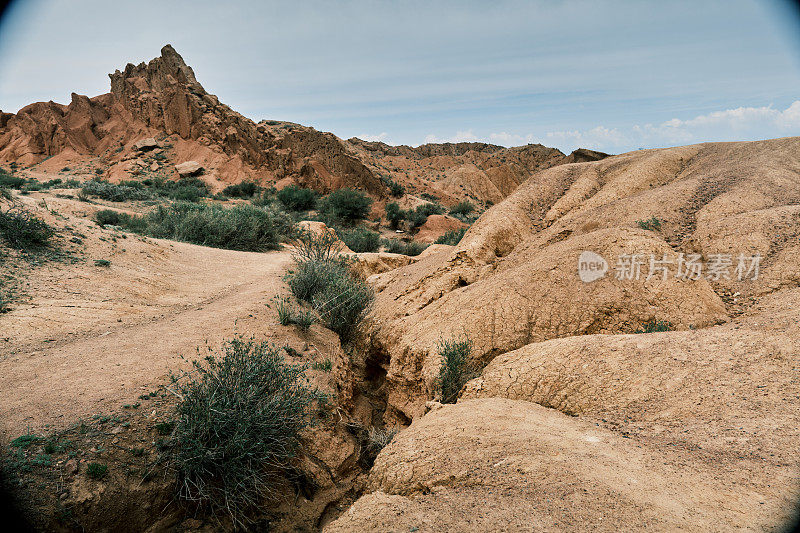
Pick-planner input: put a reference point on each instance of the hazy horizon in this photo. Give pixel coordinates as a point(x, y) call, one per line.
point(611, 76)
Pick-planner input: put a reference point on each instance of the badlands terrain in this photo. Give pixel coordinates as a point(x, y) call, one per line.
point(657, 404)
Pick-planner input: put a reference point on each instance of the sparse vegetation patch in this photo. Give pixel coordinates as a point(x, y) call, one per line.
point(655, 326)
point(652, 224)
point(452, 237)
point(396, 246)
point(242, 227)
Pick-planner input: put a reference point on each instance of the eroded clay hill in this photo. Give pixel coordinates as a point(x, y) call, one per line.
point(577, 419)
point(162, 101)
point(480, 172)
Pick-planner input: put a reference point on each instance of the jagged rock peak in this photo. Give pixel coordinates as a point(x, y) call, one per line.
point(159, 73)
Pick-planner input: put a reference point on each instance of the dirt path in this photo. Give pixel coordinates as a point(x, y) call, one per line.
point(87, 339)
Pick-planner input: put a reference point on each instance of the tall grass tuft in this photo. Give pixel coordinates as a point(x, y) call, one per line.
point(238, 426)
point(322, 278)
point(23, 230)
point(456, 368)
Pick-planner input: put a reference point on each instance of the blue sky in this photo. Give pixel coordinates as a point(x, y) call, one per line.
point(611, 75)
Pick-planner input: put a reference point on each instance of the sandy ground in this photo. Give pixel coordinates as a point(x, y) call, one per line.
point(85, 339)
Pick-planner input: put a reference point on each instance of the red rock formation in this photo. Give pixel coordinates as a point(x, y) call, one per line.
point(163, 98)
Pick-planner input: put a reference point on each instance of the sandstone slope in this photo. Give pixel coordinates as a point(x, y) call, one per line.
point(574, 422)
point(513, 279)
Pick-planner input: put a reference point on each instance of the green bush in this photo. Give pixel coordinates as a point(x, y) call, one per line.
point(347, 205)
point(452, 237)
point(96, 471)
point(462, 209)
point(394, 214)
point(361, 239)
point(287, 315)
point(419, 216)
point(23, 441)
point(10, 182)
point(303, 319)
point(296, 198)
point(430, 197)
point(343, 303)
point(456, 369)
point(23, 230)
point(190, 189)
point(238, 425)
point(242, 227)
point(311, 246)
point(284, 311)
point(325, 366)
point(186, 194)
point(266, 198)
point(310, 277)
point(396, 246)
point(109, 217)
point(187, 189)
point(324, 279)
point(395, 189)
point(112, 192)
point(245, 189)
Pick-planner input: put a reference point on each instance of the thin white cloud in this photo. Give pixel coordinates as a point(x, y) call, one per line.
point(459, 137)
point(381, 137)
point(741, 123)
